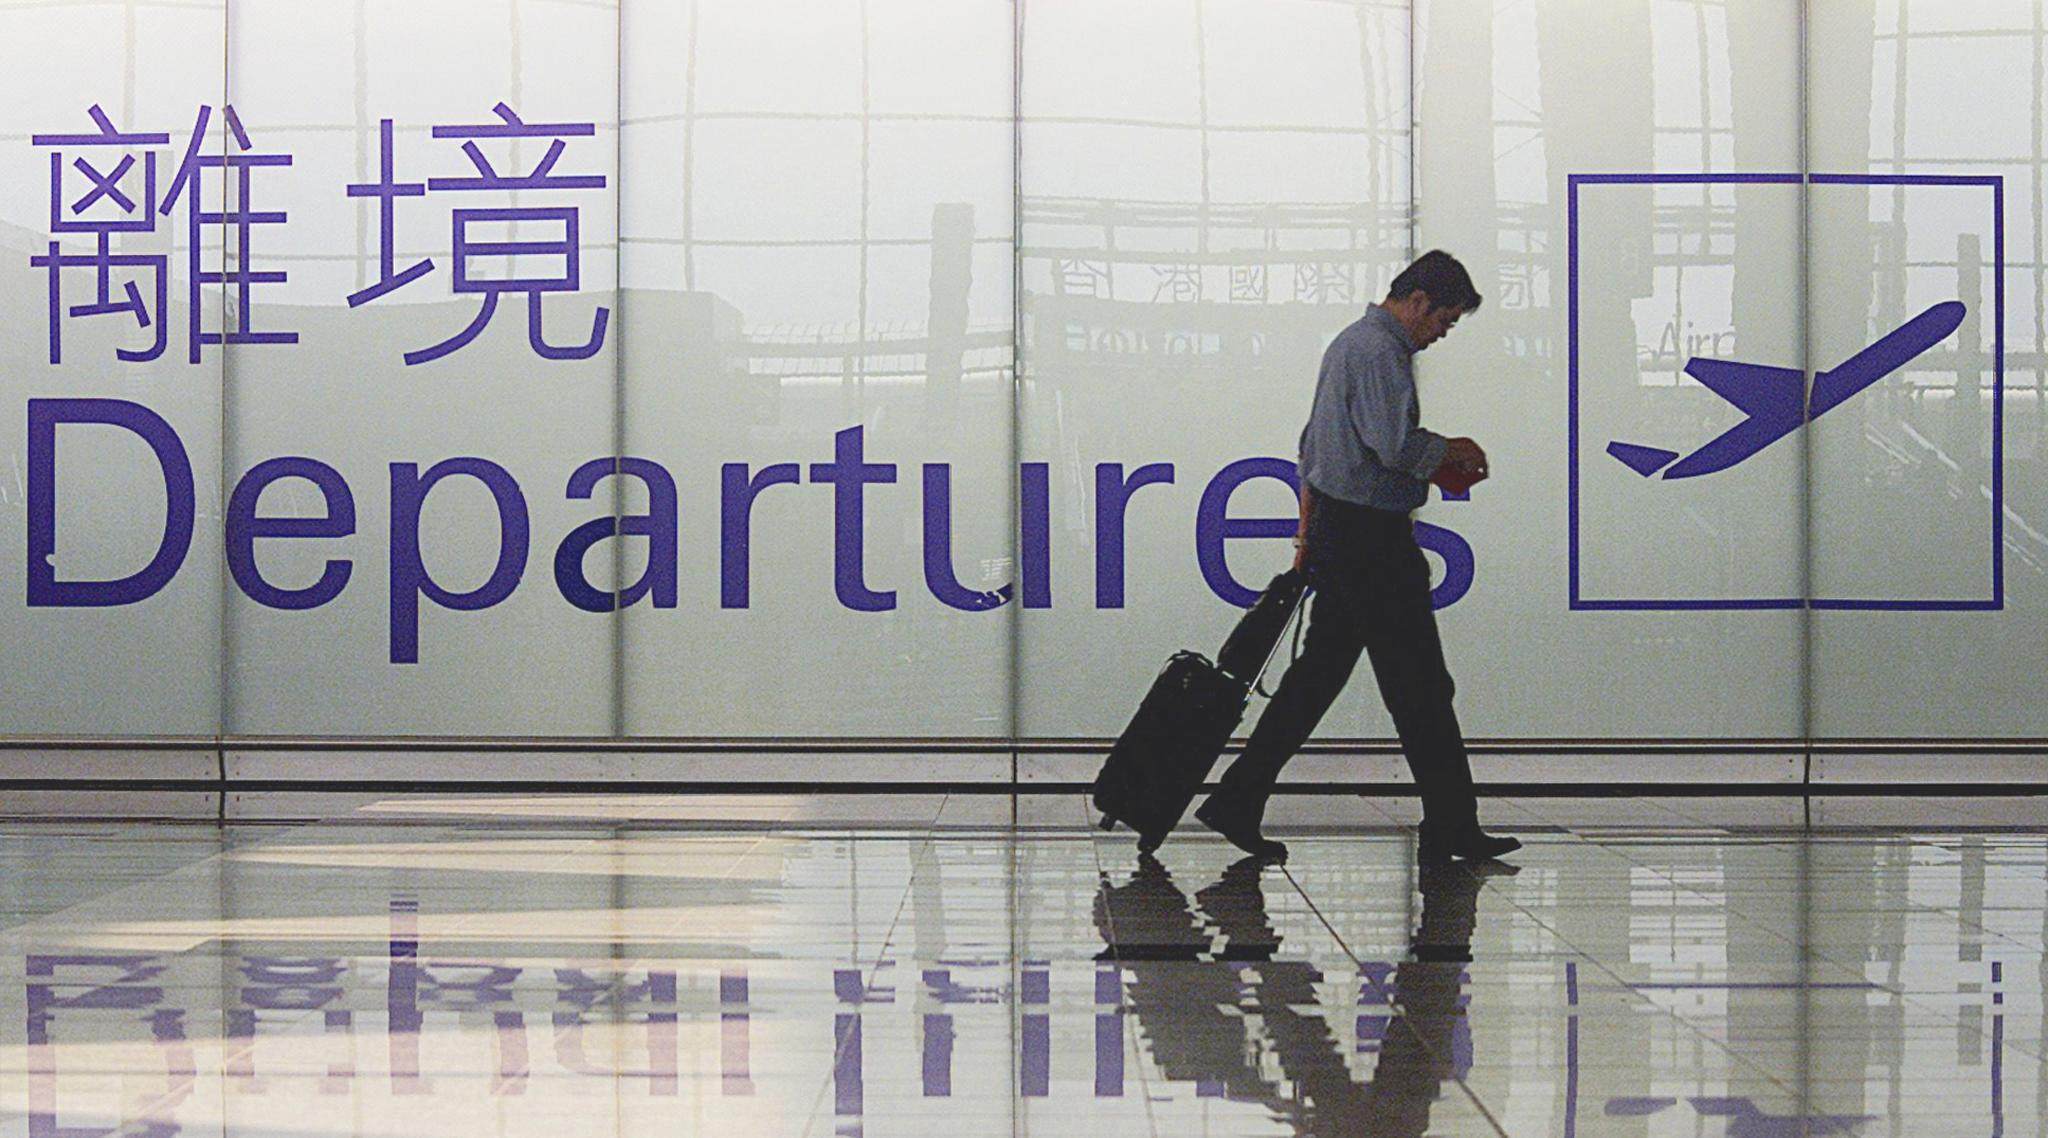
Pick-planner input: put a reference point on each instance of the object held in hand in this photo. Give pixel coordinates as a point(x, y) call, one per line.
point(1455, 479)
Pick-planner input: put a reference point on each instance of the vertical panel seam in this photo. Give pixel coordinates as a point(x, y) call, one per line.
point(1806, 611)
point(618, 621)
point(1015, 678)
point(1414, 130)
point(223, 641)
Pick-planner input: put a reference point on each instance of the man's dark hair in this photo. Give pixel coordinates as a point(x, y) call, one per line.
point(1438, 275)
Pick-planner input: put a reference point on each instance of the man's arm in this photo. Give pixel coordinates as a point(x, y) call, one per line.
point(1382, 408)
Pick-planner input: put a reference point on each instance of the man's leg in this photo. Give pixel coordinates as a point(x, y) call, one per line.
point(1408, 661)
point(1330, 651)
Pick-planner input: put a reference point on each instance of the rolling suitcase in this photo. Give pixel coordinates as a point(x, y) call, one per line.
point(1160, 761)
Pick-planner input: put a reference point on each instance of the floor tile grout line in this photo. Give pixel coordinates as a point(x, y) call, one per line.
point(1976, 809)
point(1565, 825)
point(1791, 838)
point(455, 832)
point(1013, 851)
point(1621, 984)
point(2005, 873)
point(881, 955)
point(220, 854)
point(216, 861)
point(2038, 1049)
point(1803, 839)
point(1130, 1022)
point(733, 868)
point(1097, 848)
point(1471, 1094)
point(1386, 816)
point(1601, 966)
point(153, 876)
point(1897, 993)
point(1903, 996)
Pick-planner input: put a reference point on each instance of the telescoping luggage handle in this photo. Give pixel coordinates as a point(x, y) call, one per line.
point(1294, 653)
point(1255, 640)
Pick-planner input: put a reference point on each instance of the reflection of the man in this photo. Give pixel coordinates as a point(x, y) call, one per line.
point(1187, 985)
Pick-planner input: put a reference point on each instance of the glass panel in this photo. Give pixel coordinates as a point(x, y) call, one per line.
point(1201, 217)
point(111, 406)
point(818, 238)
point(1930, 560)
point(838, 509)
point(1632, 237)
point(450, 279)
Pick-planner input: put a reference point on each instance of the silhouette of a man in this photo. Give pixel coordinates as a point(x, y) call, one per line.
point(1366, 463)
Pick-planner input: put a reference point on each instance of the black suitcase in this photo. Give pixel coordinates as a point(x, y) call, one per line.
point(1160, 761)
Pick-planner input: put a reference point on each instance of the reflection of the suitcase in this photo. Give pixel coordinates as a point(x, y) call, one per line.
point(1180, 981)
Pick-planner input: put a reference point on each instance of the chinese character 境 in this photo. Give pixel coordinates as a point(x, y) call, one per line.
point(483, 261)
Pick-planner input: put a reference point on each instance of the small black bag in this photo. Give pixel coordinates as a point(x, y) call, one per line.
point(1160, 761)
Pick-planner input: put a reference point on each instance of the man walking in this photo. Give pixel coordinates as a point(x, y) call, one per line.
point(1365, 464)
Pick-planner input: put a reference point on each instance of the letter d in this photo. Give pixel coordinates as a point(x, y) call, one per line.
point(44, 589)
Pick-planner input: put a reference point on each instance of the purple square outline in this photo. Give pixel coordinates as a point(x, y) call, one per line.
point(1996, 184)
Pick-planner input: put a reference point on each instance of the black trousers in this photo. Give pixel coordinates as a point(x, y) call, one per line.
point(1371, 595)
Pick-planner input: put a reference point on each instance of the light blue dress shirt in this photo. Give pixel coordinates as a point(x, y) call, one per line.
point(1364, 441)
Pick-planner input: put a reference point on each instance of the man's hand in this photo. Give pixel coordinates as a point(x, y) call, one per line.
point(1465, 454)
point(1308, 506)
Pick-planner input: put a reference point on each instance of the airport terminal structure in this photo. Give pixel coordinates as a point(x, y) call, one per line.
point(572, 566)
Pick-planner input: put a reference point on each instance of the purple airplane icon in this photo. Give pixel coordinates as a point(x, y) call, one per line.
point(1770, 395)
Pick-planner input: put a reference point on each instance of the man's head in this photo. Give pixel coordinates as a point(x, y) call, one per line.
point(1429, 296)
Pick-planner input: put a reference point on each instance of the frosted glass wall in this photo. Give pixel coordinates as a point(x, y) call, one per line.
point(1930, 493)
point(111, 411)
point(819, 262)
point(451, 389)
point(1593, 162)
point(925, 373)
point(1200, 218)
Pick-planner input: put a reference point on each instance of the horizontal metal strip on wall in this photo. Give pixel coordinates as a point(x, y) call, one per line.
point(1041, 745)
point(1006, 788)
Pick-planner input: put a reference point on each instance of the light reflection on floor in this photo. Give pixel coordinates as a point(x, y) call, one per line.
point(914, 968)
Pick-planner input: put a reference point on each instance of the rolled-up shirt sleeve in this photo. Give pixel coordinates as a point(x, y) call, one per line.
point(1382, 389)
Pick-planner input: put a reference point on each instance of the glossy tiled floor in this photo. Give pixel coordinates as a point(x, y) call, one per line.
point(974, 966)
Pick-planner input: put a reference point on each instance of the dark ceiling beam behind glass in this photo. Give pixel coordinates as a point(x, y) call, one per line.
point(1457, 114)
point(1605, 78)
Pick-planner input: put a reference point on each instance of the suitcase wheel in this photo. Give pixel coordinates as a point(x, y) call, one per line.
point(1108, 822)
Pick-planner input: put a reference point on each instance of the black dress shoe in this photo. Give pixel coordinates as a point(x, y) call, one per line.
point(1436, 847)
point(1149, 841)
point(1240, 832)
